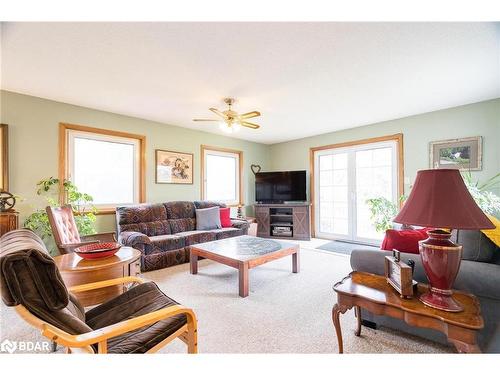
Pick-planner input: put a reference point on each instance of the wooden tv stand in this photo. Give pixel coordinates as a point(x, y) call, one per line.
point(296, 216)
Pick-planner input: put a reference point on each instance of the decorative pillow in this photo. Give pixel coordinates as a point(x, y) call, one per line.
point(208, 218)
point(405, 241)
point(225, 218)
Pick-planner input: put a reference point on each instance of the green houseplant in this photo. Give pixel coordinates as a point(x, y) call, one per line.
point(485, 199)
point(85, 212)
point(382, 210)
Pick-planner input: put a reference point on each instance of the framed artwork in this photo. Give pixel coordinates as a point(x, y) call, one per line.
point(463, 153)
point(173, 167)
point(4, 160)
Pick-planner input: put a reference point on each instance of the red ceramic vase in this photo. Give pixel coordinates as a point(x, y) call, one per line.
point(441, 261)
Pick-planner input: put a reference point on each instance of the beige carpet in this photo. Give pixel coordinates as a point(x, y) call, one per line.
point(284, 313)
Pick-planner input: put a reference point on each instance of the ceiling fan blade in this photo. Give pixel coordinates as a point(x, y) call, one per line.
point(244, 116)
point(250, 125)
point(205, 119)
point(218, 113)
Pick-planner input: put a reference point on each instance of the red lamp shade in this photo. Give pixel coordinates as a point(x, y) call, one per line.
point(440, 199)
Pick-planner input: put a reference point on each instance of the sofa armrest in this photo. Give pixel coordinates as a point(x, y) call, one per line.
point(133, 239)
point(240, 224)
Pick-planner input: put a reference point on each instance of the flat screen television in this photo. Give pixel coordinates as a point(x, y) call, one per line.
point(279, 187)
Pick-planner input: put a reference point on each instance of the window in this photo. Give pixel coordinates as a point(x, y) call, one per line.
point(105, 164)
point(221, 175)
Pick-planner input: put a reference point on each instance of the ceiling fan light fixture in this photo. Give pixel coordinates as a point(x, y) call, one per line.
point(225, 127)
point(231, 121)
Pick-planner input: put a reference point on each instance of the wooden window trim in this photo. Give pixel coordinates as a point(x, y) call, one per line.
point(63, 157)
point(221, 149)
point(4, 130)
point(393, 137)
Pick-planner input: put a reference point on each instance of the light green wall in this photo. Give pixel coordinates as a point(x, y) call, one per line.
point(33, 139)
point(465, 121)
point(33, 143)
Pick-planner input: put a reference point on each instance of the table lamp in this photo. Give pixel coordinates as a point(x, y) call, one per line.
point(440, 199)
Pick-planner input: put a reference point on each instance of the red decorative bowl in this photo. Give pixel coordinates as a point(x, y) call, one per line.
point(98, 250)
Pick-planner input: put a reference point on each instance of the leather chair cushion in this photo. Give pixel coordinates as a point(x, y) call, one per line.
point(29, 277)
point(65, 225)
point(196, 236)
point(140, 300)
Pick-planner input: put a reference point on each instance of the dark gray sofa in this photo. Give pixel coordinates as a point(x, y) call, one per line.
point(479, 274)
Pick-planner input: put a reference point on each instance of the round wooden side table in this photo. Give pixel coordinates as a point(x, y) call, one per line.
point(77, 271)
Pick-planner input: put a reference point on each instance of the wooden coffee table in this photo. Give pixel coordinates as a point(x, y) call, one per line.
point(244, 253)
point(373, 293)
point(77, 271)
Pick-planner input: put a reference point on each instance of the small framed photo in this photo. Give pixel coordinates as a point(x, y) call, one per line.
point(173, 167)
point(463, 153)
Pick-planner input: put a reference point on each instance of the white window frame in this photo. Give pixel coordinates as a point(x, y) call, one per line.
point(76, 131)
point(238, 155)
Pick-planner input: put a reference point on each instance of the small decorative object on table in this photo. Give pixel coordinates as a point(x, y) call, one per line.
point(440, 199)
point(399, 275)
point(98, 250)
point(9, 218)
point(7, 201)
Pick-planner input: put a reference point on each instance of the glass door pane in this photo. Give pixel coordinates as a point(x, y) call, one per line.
point(333, 194)
point(374, 179)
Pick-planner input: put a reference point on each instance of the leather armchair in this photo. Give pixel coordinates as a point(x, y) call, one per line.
point(65, 231)
point(141, 320)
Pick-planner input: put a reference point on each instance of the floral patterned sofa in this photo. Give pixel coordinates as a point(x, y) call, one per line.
point(163, 232)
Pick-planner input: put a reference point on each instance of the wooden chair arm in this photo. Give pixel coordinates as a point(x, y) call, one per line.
point(117, 329)
point(105, 283)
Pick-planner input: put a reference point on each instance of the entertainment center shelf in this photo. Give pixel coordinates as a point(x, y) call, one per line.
point(285, 221)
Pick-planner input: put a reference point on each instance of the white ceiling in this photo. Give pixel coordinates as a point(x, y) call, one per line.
point(305, 78)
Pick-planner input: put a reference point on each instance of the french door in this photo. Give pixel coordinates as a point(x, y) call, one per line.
point(344, 178)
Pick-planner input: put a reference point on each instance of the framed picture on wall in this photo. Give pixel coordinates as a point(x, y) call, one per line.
point(173, 167)
point(463, 153)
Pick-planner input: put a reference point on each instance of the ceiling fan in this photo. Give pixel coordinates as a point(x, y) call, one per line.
point(231, 121)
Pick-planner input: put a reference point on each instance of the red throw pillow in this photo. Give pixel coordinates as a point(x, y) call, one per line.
point(225, 219)
point(405, 241)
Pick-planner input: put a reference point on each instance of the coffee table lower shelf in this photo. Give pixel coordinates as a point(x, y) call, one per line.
point(371, 292)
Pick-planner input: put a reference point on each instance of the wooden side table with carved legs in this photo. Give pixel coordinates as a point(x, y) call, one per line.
point(371, 292)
